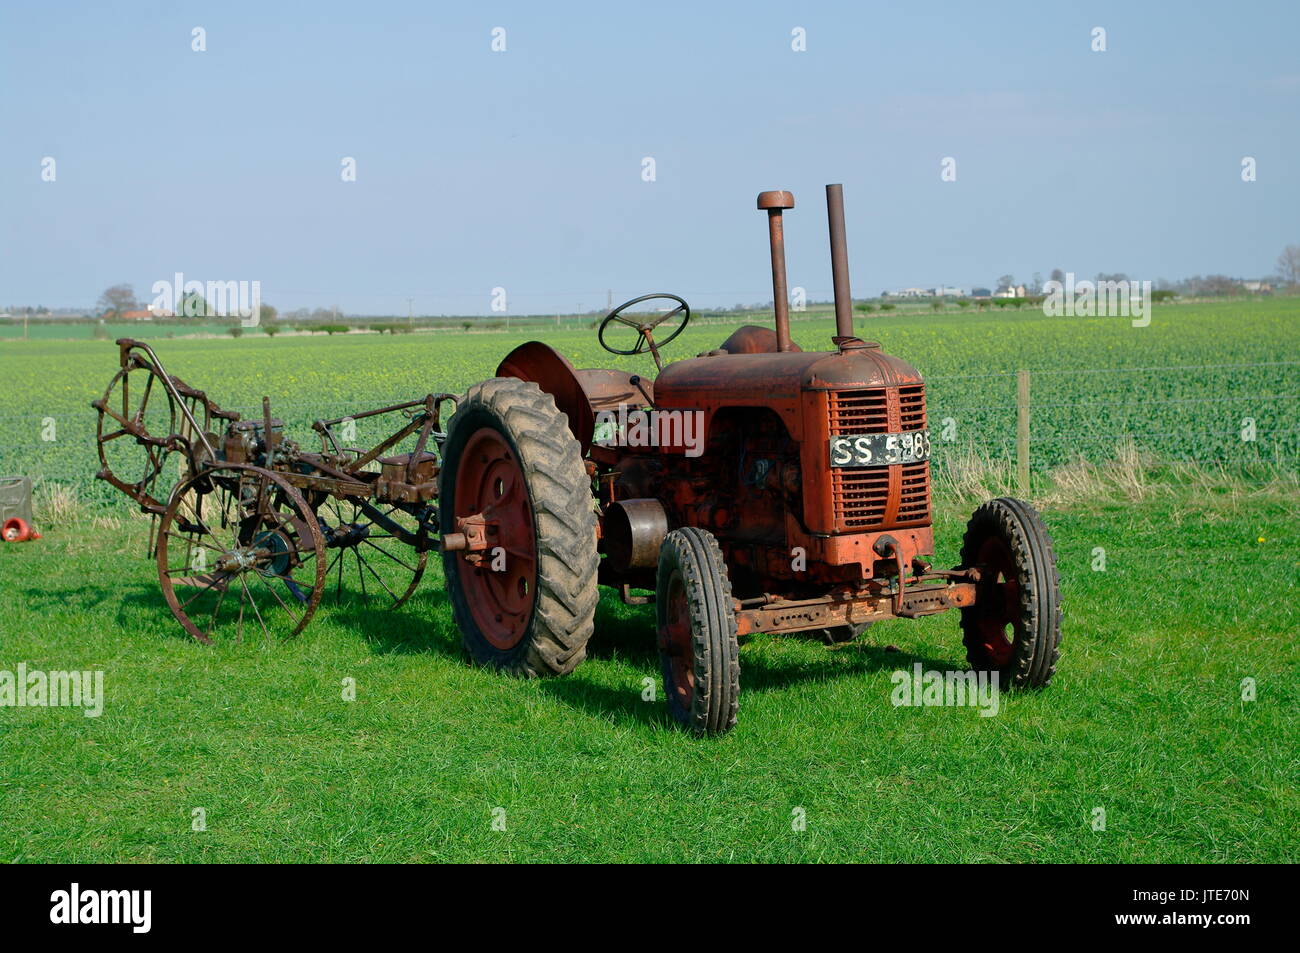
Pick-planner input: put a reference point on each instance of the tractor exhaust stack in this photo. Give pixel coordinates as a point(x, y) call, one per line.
point(839, 261)
point(774, 203)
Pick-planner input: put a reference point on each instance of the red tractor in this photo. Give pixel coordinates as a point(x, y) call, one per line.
point(754, 488)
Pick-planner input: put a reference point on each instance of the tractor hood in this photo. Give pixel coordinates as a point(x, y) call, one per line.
point(779, 375)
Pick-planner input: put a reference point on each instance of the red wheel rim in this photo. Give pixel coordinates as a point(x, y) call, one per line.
point(677, 645)
point(1000, 598)
point(490, 483)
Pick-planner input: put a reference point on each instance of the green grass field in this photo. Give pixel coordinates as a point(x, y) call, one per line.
point(1145, 719)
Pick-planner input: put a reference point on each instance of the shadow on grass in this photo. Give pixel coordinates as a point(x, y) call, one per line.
point(760, 673)
point(628, 633)
point(623, 633)
point(423, 624)
point(619, 704)
point(45, 595)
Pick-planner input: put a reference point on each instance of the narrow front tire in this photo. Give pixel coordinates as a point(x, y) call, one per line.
point(698, 644)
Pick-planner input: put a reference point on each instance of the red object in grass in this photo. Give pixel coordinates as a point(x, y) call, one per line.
point(16, 530)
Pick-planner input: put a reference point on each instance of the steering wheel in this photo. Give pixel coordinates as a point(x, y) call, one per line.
point(647, 341)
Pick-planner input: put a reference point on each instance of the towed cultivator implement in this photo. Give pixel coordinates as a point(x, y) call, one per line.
point(252, 529)
point(753, 488)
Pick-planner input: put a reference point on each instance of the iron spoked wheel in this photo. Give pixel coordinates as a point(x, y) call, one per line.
point(237, 546)
point(1014, 627)
point(135, 415)
point(526, 601)
point(367, 555)
point(698, 647)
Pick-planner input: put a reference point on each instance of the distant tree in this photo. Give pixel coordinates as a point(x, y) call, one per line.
point(193, 305)
point(1288, 264)
point(117, 299)
point(1222, 285)
point(268, 313)
point(1058, 275)
point(270, 330)
point(236, 331)
point(1037, 286)
point(1005, 282)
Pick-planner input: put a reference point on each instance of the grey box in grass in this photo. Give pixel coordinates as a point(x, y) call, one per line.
point(16, 498)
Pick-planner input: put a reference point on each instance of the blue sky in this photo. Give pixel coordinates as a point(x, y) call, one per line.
point(522, 169)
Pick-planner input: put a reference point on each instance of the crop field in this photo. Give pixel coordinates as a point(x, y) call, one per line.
point(1148, 720)
point(1185, 387)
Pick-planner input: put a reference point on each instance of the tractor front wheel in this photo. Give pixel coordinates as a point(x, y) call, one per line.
point(1014, 627)
point(698, 647)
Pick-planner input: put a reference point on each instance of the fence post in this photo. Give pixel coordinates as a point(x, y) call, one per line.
point(1022, 431)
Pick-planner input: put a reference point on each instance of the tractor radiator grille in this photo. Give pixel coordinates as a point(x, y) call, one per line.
point(871, 497)
point(859, 497)
point(914, 500)
point(859, 411)
point(911, 408)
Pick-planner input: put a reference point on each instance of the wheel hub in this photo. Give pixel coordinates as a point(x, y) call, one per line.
point(999, 599)
point(237, 560)
point(499, 572)
point(676, 643)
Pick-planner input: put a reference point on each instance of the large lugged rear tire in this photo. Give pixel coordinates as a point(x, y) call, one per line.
point(698, 647)
point(1018, 590)
point(509, 454)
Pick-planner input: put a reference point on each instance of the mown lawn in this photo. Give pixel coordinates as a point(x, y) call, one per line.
point(1145, 719)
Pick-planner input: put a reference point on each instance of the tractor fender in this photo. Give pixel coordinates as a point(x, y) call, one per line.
point(551, 371)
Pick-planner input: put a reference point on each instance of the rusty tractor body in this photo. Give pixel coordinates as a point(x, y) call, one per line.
point(753, 488)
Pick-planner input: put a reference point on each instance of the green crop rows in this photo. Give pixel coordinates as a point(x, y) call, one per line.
point(1185, 387)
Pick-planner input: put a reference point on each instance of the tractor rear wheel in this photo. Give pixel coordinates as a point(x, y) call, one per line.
point(698, 647)
point(525, 600)
point(1014, 627)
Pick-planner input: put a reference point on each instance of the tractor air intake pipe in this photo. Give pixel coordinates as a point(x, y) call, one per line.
point(775, 203)
point(839, 261)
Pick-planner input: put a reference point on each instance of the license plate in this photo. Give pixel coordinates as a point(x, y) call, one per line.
point(880, 449)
